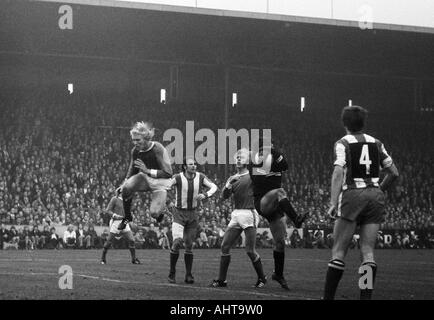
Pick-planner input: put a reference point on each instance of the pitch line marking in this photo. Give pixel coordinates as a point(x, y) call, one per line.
point(200, 288)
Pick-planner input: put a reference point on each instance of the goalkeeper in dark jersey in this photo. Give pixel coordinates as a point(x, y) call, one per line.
point(272, 203)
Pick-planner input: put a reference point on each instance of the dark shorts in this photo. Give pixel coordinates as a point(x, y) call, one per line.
point(364, 206)
point(185, 217)
point(275, 215)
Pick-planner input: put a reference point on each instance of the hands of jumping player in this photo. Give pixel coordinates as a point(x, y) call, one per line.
point(139, 164)
point(231, 180)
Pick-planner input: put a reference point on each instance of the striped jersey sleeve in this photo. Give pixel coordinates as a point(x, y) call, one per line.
point(385, 160)
point(339, 153)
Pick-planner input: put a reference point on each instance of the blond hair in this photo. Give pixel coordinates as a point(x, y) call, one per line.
point(144, 129)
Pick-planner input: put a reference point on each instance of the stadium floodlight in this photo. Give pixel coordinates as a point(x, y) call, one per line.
point(234, 99)
point(302, 104)
point(70, 88)
point(163, 96)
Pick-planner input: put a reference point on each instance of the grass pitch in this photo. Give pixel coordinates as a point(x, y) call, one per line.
point(402, 274)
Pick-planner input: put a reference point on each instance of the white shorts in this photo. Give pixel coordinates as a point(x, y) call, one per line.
point(159, 184)
point(244, 218)
point(114, 224)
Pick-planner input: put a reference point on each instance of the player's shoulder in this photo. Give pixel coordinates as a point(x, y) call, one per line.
point(346, 139)
point(157, 146)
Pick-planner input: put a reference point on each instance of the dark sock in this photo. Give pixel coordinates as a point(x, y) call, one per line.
point(188, 258)
point(334, 275)
point(258, 268)
point(279, 260)
point(173, 260)
point(286, 206)
point(366, 294)
point(104, 252)
point(224, 265)
point(133, 253)
point(127, 209)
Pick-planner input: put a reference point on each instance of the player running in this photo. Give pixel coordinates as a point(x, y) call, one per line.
point(357, 198)
point(271, 202)
point(149, 170)
point(115, 210)
point(243, 218)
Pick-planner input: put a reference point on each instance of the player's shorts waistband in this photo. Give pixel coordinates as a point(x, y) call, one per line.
point(185, 209)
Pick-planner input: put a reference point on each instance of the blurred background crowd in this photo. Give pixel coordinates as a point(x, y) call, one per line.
point(62, 157)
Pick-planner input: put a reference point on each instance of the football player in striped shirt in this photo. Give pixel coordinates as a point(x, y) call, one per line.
point(357, 199)
point(243, 218)
point(190, 192)
point(149, 170)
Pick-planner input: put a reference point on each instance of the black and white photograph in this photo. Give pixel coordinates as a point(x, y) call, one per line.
point(222, 156)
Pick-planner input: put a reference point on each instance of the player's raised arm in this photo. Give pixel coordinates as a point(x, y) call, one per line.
point(164, 162)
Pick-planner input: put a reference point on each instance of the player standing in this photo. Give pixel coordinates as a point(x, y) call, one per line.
point(149, 170)
point(115, 210)
point(243, 218)
point(271, 202)
point(357, 198)
point(189, 184)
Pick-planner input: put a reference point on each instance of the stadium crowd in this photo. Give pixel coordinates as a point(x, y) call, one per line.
point(62, 157)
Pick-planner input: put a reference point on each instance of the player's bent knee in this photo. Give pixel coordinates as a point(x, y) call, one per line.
point(281, 193)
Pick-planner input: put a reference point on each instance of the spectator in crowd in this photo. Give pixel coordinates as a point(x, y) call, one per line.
point(202, 240)
point(140, 239)
point(80, 236)
point(92, 239)
point(13, 236)
point(61, 168)
point(45, 237)
point(295, 239)
point(319, 241)
point(70, 238)
point(163, 240)
point(24, 242)
point(53, 241)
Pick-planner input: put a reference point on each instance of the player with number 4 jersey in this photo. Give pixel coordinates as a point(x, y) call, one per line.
point(357, 198)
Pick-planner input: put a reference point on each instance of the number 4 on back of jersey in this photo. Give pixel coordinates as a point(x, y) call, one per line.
point(364, 158)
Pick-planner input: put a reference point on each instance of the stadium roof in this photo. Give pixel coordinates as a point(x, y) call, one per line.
point(161, 36)
point(407, 15)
